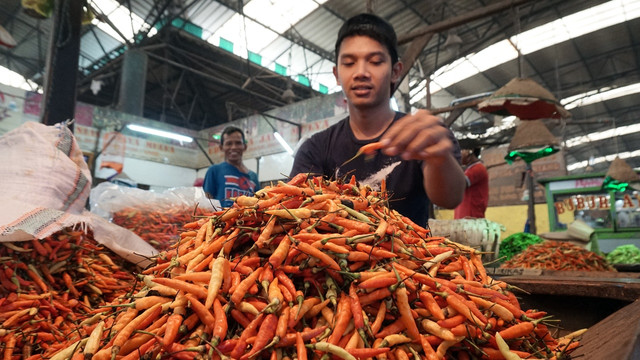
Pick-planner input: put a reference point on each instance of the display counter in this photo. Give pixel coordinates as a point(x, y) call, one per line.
point(614, 215)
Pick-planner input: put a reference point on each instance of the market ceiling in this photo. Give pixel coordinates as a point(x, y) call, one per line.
point(230, 59)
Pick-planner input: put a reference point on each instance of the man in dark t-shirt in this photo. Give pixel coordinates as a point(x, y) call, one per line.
point(326, 151)
point(420, 159)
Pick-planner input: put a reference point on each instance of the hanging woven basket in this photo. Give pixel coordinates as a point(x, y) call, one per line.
point(532, 141)
point(621, 171)
point(526, 99)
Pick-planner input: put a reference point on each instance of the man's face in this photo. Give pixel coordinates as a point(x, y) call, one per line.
point(466, 156)
point(232, 146)
point(365, 72)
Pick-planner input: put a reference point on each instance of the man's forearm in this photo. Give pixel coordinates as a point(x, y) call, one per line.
point(444, 181)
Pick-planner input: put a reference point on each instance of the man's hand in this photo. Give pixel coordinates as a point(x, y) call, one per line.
point(422, 136)
point(419, 136)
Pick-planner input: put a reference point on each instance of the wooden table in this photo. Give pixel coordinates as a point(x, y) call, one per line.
point(623, 286)
point(579, 299)
point(617, 337)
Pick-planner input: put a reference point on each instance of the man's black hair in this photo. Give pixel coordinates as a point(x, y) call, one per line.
point(230, 130)
point(371, 26)
point(476, 152)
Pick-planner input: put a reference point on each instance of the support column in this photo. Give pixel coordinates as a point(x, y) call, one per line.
point(59, 99)
point(132, 82)
point(531, 203)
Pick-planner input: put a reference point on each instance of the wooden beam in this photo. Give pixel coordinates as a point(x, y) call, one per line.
point(419, 38)
point(463, 105)
point(461, 19)
point(411, 54)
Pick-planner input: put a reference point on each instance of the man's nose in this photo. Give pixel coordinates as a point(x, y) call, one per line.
point(362, 70)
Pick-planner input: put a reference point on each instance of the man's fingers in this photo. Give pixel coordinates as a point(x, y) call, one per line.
point(439, 149)
point(414, 138)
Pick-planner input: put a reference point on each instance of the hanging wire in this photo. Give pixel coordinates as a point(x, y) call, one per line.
point(517, 42)
point(615, 138)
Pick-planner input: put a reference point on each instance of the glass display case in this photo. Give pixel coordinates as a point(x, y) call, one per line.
point(615, 216)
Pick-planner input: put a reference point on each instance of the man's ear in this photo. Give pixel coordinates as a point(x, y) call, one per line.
point(396, 70)
point(335, 73)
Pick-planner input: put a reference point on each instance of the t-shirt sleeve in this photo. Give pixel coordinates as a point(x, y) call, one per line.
point(254, 178)
point(475, 174)
point(209, 184)
point(307, 159)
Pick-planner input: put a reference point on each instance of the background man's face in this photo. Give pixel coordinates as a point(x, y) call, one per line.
point(233, 147)
point(466, 156)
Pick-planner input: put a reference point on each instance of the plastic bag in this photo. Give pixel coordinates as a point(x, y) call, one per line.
point(157, 217)
point(481, 234)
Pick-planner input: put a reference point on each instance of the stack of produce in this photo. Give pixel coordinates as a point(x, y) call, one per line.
point(162, 228)
point(624, 254)
point(558, 255)
point(516, 243)
point(52, 291)
point(313, 268)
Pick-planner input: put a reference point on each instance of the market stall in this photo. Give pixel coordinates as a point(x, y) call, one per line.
point(613, 214)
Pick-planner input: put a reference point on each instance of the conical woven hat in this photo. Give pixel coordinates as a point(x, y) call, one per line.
point(525, 99)
point(621, 171)
point(532, 134)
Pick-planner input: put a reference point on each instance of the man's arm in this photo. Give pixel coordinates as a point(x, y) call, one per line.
point(305, 161)
point(422, 136)
point(444, 181)
point(209, 184)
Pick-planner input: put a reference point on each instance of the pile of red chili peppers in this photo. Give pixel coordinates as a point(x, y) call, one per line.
point(558, 255)
point(52, 291)
point(316, 269)
point(159, 228)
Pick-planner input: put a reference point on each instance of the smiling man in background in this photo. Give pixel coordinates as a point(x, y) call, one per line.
point(230, 178)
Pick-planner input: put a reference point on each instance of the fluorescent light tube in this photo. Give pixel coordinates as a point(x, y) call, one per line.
point(162, 133)
point(283, 143)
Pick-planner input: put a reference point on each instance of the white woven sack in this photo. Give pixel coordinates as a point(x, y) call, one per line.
point(44, 180)
point(45, 185)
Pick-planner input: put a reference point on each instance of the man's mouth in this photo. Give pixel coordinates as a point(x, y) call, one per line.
point(361, 89)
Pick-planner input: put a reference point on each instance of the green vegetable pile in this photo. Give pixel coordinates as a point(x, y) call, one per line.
point(516, 243)
point(624, 254)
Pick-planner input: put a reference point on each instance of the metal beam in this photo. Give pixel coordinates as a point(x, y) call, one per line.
point(267, 99)
point(27, 62)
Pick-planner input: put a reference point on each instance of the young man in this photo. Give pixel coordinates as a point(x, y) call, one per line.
point(420, 159)
point(230, 178)
point(476, 196)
